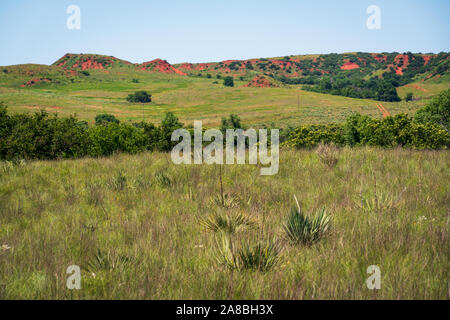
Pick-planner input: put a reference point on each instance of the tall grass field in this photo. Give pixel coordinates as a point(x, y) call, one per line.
point(140, 227)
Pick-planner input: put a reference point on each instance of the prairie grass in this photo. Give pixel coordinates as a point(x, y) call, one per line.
point(137, 236)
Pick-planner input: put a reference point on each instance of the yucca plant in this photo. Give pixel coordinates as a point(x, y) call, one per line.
point(227, 201)
point(304, 229)
point(107, 261)
point(163, 179)
point(229, 223)
point(380, 201)
point(262, 256)
point(119, 181)
point(225, 253)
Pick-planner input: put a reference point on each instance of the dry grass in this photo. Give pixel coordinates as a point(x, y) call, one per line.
point(135, 235)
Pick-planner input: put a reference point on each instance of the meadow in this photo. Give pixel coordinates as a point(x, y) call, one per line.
point(192, 98)
point(135, 226)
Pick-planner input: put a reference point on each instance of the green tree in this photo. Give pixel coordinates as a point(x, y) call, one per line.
point(169, 124)
point(437, 111)
point(139, 97)
point(228, 81)
point(232, 122)
point(409, 96)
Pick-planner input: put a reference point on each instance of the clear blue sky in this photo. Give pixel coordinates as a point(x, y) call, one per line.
point(213, 30)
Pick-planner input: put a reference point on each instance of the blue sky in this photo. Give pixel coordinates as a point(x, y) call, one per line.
point(214, 30)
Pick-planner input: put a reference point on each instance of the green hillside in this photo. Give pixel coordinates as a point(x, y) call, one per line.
point(88, 84)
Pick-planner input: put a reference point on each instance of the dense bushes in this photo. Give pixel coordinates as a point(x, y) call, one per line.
point(42, 136)
point(106, 139)
point(437, 111)
point(359, 130)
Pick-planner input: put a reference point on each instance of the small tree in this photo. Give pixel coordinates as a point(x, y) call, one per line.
point(233, 122)
point(409, 96)
point(169, 124)
point(228, 81)
point(140, 96)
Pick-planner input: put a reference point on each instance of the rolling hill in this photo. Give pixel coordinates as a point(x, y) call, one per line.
point(282, 91)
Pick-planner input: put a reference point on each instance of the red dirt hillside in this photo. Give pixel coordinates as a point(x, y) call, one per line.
point(349, 66)
point(159, 65)
point(402, 61)
point(88, 61)
point(35, 81)
point(260, 82)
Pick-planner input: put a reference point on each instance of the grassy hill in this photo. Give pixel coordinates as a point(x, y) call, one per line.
point(88, 84)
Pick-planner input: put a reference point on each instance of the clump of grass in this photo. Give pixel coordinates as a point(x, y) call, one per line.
point(327, 154)
point(119, 181)
point(141, 182)
point(94, 193)
point(380, 201)
point(70, 193)
point(227, 200)
point(229, 223)
point(163, 179)
point(107, 261)
point(262, 256)
point(304, 229)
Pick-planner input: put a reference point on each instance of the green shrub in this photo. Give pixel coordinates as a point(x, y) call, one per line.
point(232, 122)
point(428, 136)
point(114, 137)
point(437, 111)
point(399, 130)
point(168, 125)
point(228, 81)
point(39, 136)
point(409, 97)
point(105, 118)
point(312, 135)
